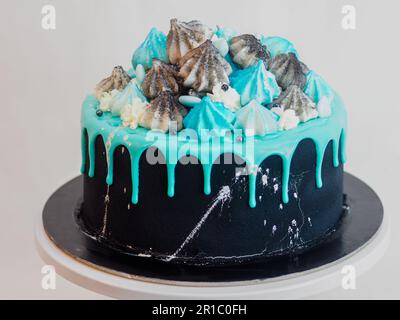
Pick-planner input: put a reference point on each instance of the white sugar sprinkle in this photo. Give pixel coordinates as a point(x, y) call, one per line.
point(264, 180)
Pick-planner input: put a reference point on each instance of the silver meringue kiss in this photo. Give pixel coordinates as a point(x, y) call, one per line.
point(185, 36)
point(288, 70)
point(246, 50)
point(119, 79)
point(161, 77)
point(295, 99)
point(164, 114)
point(204, 67)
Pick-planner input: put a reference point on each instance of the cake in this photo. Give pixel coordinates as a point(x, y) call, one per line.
point(215, 147)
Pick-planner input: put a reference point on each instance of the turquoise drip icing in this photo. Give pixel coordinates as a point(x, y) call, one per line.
point(286, 161)
point(83, 149)
point(207, 179)
point(283, 144)
point(343, 146)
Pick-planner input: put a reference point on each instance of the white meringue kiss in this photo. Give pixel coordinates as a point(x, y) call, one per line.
point(230, 98)
point(131, 113)
point(287, 118)
point(105, 100)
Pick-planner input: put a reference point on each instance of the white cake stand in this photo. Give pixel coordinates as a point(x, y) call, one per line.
point(293, 286)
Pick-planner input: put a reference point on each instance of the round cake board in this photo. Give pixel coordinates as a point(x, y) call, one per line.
point(359, 243)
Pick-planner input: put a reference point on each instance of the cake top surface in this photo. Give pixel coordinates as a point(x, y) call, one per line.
point(194, 62)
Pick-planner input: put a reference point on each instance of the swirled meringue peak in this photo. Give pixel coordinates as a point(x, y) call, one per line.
point(316, 87)
point(255, 83)
point(288, 70)
point(185, 36)
point(164, 114)
point(153, 47)
point(211, 116)
point(118, 80)
point(255, 119)
point(246, 50)
point(227, 95)
point(126, 97)
point(161, 77)
point(278, 45)
point(295, 99)
point(204, 67)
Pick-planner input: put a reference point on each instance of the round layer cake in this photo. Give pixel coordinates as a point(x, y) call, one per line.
point(216, 147)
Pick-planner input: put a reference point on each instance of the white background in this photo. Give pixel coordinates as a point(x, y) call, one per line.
point(45, 75)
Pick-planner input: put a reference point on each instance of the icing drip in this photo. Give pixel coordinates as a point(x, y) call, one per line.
point(283, 144)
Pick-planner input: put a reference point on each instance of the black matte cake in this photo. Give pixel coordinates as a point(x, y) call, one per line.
point(215, 148)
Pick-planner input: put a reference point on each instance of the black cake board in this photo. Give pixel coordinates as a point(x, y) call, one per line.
point(361, 237)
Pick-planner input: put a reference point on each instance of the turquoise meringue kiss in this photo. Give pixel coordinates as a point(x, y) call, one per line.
point(316, 87)
point(225, 33)
point(210, 116)
point(154, 46)
point(278, 45)
point(255, 83)
point(256, 120)
point(125, 97)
